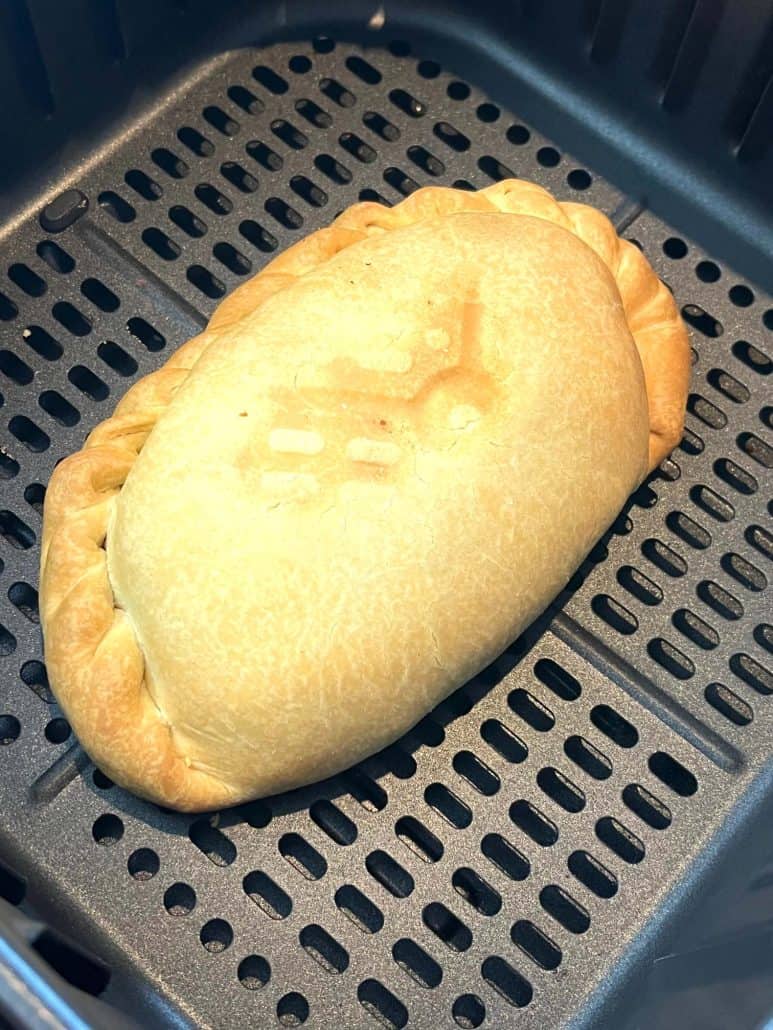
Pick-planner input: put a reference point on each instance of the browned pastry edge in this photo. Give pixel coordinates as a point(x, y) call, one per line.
point(95, 663)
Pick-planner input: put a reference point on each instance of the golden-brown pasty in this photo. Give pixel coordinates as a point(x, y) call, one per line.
point(381, 460)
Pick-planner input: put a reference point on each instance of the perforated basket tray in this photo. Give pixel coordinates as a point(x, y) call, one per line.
point(532, 845)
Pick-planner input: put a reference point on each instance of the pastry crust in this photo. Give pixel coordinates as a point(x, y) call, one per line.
point(105, 678)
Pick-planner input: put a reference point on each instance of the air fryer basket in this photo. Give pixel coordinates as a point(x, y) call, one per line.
point(596, 800)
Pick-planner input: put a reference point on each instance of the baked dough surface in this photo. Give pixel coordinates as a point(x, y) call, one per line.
point(381, 460)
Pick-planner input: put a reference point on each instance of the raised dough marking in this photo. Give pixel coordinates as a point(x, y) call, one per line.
point(373, 452)
point(295, 441)
point(463, 415)
point(371, 408)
